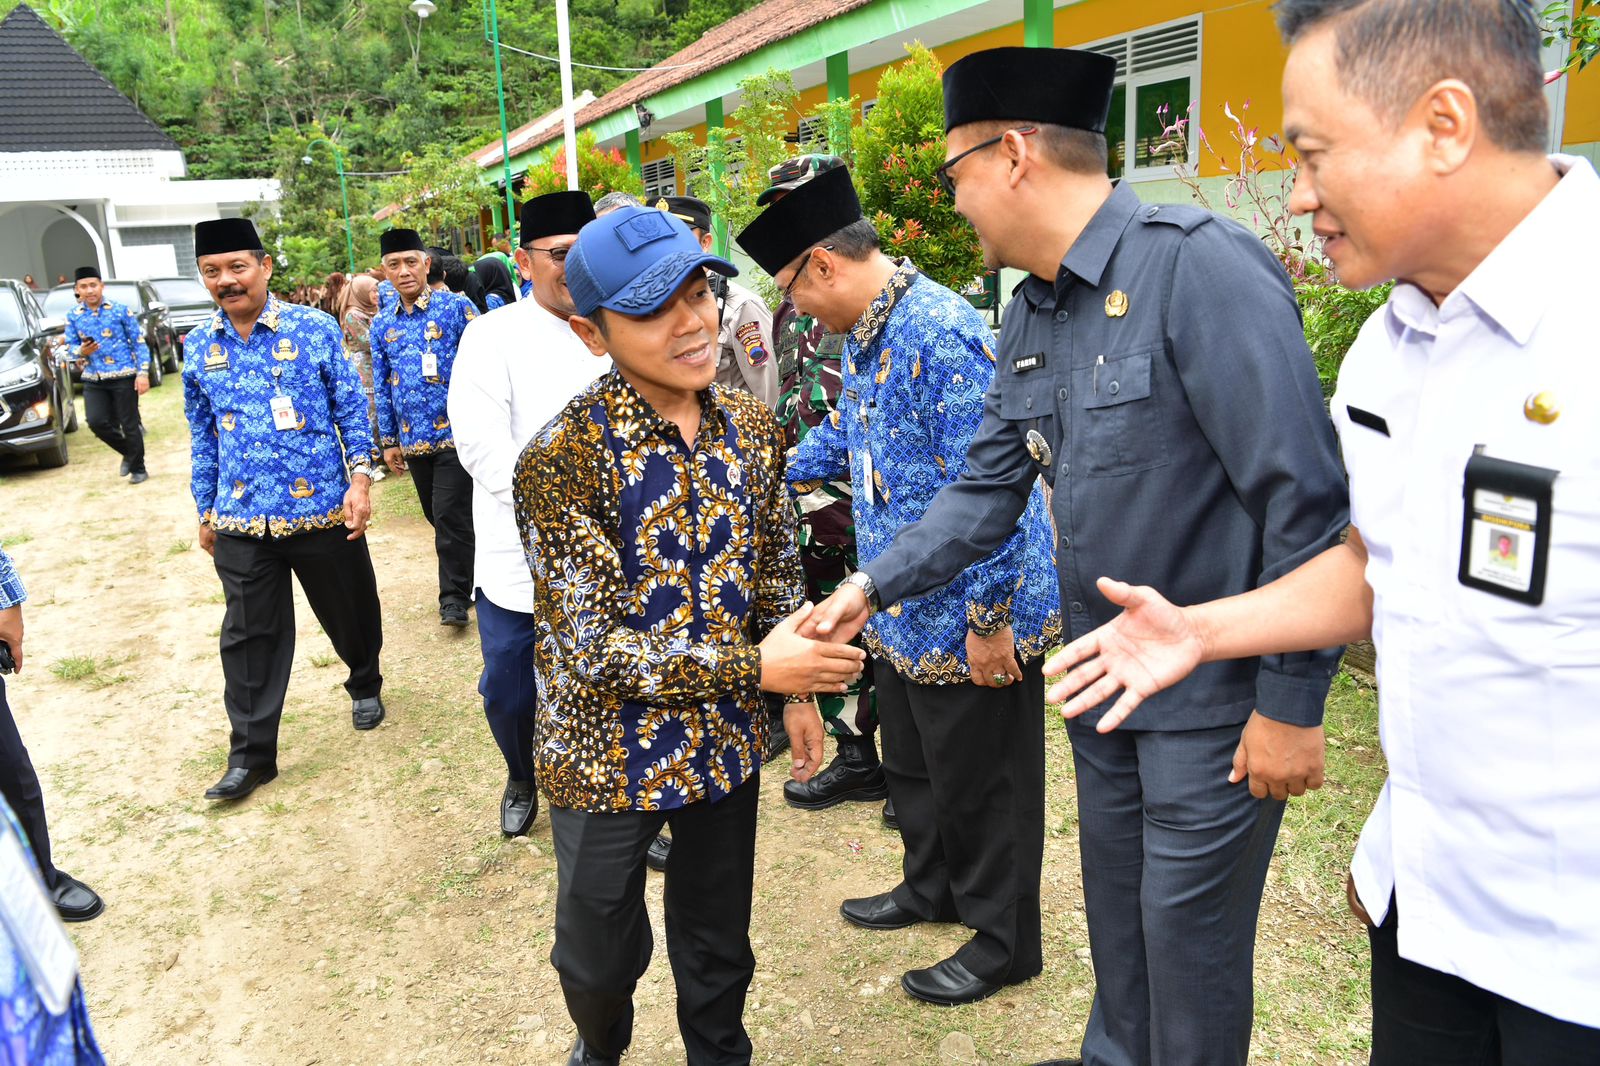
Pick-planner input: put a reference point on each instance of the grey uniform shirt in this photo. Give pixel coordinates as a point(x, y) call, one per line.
point(745, 353)
point(1187, 445)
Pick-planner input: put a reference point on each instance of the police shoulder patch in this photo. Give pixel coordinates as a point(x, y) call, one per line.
point(750, 339)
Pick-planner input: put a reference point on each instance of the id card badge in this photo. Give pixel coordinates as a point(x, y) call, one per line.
point(430, 364)
point(1505, 527)
point(283, 413)
point(35, 926)
point(866, 475)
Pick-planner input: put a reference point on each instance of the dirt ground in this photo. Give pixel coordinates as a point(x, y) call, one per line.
point(363, 908)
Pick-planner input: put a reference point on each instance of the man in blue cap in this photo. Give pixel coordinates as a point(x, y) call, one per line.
point(655, 513)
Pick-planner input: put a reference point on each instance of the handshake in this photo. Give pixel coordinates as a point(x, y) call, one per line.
point(796, 660)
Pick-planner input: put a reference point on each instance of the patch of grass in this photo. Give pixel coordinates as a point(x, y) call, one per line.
point(395, 497)
point(178, 547)
point(15, 539)
point(94, 673)
point(324, 659)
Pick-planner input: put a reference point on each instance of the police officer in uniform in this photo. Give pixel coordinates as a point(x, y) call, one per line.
point(108, 343)
point(1152, 367)
point(744, 345)
point(282, 458)
point(414, 342)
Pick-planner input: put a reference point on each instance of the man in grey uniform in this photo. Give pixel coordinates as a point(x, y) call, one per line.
point(1152, 368)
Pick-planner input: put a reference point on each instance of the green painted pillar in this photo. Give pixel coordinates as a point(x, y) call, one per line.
point(839, 76)
point(1039, 23)
point(635, 156)
point(719, 224)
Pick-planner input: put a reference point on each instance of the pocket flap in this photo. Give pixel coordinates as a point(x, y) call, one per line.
point(1118, 380)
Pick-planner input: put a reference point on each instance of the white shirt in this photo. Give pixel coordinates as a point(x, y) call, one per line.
point(1488, 828)
point(516, 368)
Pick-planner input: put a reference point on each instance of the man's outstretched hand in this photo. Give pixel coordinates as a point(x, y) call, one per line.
point(839, 617)
point(797, 665)
point(1150, 646)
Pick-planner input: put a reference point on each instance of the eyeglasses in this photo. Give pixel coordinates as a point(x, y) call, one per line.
point(789, 289)
point(943, 173)
point(557, 255)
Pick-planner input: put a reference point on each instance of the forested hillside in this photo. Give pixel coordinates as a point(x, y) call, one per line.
point(228, 78)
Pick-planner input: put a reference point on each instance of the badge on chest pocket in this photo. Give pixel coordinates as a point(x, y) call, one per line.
point(1505, 527)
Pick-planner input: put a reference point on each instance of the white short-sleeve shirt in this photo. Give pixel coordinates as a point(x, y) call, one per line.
point(1488, 828)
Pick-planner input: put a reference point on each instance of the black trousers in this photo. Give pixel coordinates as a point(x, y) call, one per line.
point(1174, 861)
point(1422, 1017)
point(20, 786)
point(603, 940)
point(965, 767)
point(258, 626)
point(112, 410)
point(445, 490)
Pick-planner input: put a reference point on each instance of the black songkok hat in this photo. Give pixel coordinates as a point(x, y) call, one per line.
point(85, 272)
point(226, 235)
point(1060, 86)
point(815, 211)
point(400, 240)
point(694, 211)
point(555, 214)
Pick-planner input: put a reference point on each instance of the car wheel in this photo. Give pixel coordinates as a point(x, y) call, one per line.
point(171, 365)
point(56, 454)
point(156, 376)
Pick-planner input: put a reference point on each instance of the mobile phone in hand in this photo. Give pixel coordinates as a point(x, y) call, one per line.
point(7, 663)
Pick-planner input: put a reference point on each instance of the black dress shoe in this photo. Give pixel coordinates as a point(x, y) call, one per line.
point(877, 912)
point(367, 713)
point(888, 814)
point(239, 782)
point(777, 739)
point(1059, 1062)
point(139, 478)
point(582, 1056)
point(656, 857)
point(854, 774)
point(947, 984)
point(454, 616)
point(127, 467)
point(75, 901)
point(519, 806)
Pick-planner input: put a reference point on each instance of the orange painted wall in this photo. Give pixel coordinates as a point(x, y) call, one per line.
point(1583, 107)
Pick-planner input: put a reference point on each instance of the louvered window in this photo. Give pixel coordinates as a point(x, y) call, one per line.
point(1156, 67)
point(867, 106)
point(812, 135)
point(660, 178)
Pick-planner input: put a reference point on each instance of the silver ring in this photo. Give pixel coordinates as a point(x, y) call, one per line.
point(1001, 679)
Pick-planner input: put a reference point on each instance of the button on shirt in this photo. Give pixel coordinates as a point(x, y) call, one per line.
point(516, 370)
point(1179, 421)
point(412, 406)
point(1488, 828)
point(915, 369)
point(122, 352)
point(248, 475)
point(659, 567)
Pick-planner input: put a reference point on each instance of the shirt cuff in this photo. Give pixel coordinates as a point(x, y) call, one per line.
point(1290, 699)
point(741, 666)
point(988, 619)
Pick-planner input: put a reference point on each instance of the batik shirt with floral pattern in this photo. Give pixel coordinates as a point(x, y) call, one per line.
point(412, 413)
point(249, 476)
point(659, 567)
point(916, 367)
point(122, 352)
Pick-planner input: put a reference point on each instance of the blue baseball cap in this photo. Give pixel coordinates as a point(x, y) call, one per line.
point(633, 259)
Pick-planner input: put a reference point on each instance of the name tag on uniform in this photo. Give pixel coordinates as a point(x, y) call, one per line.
point(283, 413)
point(1505, 528)
point(430, 365)
point(1023, 363)
point(35, 927)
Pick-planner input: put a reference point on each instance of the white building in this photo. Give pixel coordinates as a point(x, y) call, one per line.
point(85, 176)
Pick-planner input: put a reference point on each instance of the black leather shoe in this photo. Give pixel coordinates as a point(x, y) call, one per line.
point(656, 857)
point(854, 774)
point(454, 616)
point(127, 467)
point(239, 782)
point(76, 901)
point(582, 1056)
point(888, 814)
point(367, 713)
point(139, 478)
point(519, 806)
point(1059, 1062)
point(777, 739)
point(877, 912)
point(947, 984)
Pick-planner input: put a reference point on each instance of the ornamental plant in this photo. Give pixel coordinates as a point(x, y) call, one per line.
point(897, 151)
point(599, 171)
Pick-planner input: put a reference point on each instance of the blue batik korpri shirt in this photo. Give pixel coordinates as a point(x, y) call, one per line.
point(412, 414)
point(122, 352)
point(916, 367)
point(250, 476)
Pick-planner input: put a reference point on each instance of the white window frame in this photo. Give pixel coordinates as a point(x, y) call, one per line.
point(867, 106)
point(1131, 82)
point(811, 129)
point(660, 178)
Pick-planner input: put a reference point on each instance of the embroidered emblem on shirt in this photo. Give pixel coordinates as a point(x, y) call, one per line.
point(302, 488)
point(285, 352)
point(749, 336)
point(885, 364)
point(1116, 304)
point(228, 421)
point(238, 490)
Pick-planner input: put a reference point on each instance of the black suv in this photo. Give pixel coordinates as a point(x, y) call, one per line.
point(188, 302)
point(36, 409)
point(139, 297)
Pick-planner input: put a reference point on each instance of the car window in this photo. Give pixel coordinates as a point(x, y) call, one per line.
point(177, 292)
point(125, 293)
point(59, 301)
point(12, 325)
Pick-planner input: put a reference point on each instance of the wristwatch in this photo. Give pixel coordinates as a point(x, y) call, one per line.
point(863, 581)
point(362, 468)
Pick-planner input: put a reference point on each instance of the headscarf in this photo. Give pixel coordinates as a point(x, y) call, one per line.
point(493, 279)
point(361, 295)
